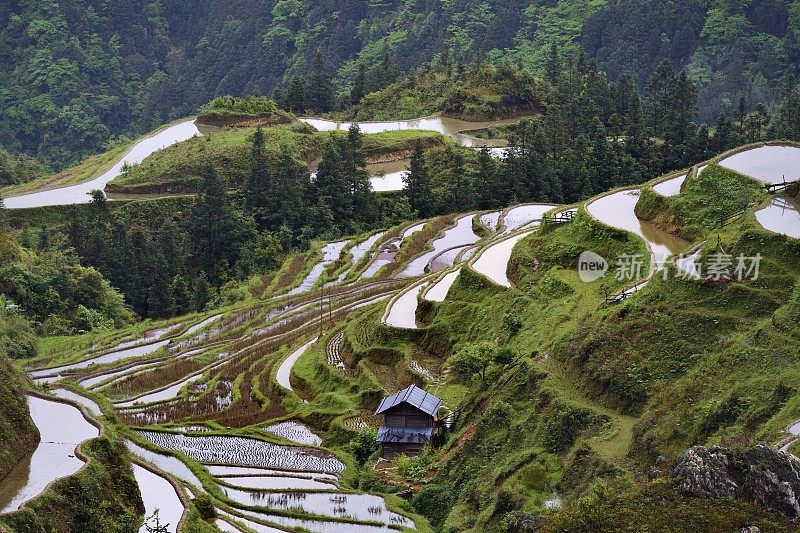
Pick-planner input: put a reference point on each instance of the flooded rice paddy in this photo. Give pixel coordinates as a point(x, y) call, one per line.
point(330, 253)
point(243, 451)
point(402, 313)
point(459, 235)
point(62, 428)
point(284, 373)
point(770, 164)
point(295, 432)
point(158, 494)
point(79, 194)
point(670, 187)
point(438, 293)
point(781, 216)
point(523, 215)
point(617, 210)
point(493, 261)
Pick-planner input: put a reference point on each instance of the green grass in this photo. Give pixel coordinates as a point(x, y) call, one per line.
point(178, 168)
point(95, 499)
point(707, 201)
point(18, 434)
point(84, 171)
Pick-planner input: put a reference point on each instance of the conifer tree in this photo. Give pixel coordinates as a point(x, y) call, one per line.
point(418, 183)
point(211, 225)
point(320, 89)
point(258, 186)
point(331, 185)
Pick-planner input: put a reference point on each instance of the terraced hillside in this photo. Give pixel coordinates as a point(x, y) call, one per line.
point(564, 401)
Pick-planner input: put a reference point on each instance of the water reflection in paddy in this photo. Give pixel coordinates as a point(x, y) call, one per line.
point(277, 483)
point(90, 405)
point(330, 253)
point(107, 379)
point(361, 507)
point(62, 428)
point(284, 373)
point(782, 216)
point(158, 493)
point(136, 351)
point(78, 194)
point(451, 127)
point(388, 176)
point(403, 311)
point(617, 210)
point(523, 215)
point(295, 432)
point(490, 220)
point(770, 164)
point(445, 259)
point(438, 293)
point(460, 234)
point(166, 463)
point(360, 250)
point(493, 262)
point(228, 471)
point(245, 451)
point(317, 526)
point(670, 187)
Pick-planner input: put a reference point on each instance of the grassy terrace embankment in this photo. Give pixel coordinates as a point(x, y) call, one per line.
point(177, 168)
point(707, 201)
point(243, 112)
point(18, 434)
point(598, 392)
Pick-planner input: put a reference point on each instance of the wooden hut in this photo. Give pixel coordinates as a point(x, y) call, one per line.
point(408, 420)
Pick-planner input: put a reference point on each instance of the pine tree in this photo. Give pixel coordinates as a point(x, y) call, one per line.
point(320, 89)
point(553, 66)
point(179, 301)
point(487, 183)
point(211, 225)
point(600, 162)
point(359, 85)
point(202, 293)
point(258, 185)
point(354, 164)
point(418, 183)
point(461, 190)
point(285, 203)
point(296, 95)
point(332, 186)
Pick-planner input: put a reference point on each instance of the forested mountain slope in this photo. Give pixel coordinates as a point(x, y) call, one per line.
point(76, 74)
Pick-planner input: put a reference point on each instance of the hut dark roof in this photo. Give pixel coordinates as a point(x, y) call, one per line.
point(407, 435)
point(412, 395)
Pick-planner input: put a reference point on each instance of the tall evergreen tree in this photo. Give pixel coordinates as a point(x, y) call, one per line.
point(320, 88)
point(418, 183)
point(359, 85)
point(332, 185)
point(354, 164)
point(296, 94)
point(286, 201)
point(258, 185)
point(211, 225)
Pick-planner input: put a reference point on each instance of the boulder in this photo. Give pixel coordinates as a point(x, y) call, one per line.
point(759, 474)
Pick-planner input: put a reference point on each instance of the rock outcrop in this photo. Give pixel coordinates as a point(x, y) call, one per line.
point(759, 474)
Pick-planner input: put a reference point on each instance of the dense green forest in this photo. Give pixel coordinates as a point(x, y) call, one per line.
point(77, 76)
point(253, 211)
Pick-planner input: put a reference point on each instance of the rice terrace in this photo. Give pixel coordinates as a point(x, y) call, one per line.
point(470, 266)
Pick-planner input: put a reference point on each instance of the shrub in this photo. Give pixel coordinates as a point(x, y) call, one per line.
point(434, 502)
point(364, 445)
